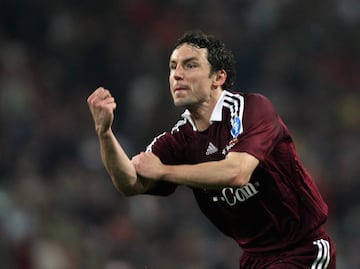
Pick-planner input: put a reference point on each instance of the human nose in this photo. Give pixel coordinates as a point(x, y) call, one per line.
point(178, 73)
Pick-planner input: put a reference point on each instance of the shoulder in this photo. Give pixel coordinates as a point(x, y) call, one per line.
point(256, 109)
point(180, 125)
point(254, 103)
point(258, 103)
point(248, 98)
point(256, 98)
point(181, 129)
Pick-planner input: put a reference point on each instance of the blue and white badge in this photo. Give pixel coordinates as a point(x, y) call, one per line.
point(236, 126)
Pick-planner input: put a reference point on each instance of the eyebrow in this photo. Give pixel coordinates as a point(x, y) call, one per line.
point(186, 60)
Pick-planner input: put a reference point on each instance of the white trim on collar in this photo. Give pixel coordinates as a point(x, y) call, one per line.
point(216, 115)
point(187, 115)
point(217, 112)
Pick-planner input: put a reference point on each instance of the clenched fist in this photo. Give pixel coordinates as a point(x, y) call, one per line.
point(102, 105)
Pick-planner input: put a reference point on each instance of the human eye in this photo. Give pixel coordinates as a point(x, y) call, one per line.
point(191, 65)
point(172, 66)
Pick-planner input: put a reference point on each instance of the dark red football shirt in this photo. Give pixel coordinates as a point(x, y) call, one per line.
point(280, 206)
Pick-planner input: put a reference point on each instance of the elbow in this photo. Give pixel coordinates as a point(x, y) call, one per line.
point(127, 190)
point(239, 180)
point(241, 167)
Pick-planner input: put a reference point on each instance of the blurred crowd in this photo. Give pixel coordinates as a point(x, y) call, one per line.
point(58, 208)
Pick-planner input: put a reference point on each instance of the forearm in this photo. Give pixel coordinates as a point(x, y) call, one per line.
point(214, 174)
point(119, 166)
point(235, 170)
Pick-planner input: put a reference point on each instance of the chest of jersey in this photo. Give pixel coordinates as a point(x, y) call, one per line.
point(210, 145)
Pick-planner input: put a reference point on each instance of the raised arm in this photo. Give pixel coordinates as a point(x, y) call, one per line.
point(117, 163)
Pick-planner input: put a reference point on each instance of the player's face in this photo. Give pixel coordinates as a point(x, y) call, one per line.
point(189, 78)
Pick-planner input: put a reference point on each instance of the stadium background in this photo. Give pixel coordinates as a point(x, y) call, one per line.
point(58, 209)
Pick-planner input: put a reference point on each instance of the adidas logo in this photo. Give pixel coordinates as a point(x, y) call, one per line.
point(211, 149)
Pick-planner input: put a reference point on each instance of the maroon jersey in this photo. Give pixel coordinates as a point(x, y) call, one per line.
point(280, 206)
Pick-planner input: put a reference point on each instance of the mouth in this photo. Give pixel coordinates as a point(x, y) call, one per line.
point(180, 88)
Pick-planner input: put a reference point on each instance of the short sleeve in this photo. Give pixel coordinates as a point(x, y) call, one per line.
point(262, 128)
point(164, 147)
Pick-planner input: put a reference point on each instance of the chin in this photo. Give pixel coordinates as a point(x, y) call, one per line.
point(179, 104)
point(177, 101)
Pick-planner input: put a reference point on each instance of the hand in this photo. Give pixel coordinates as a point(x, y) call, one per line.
point(148, 165)
point(102, 106)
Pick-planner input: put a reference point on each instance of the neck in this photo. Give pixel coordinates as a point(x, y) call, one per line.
point(201, 113)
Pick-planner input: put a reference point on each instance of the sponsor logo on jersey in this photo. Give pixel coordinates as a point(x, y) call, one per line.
point(211, 149)
point(231, 196)
point(229, 146)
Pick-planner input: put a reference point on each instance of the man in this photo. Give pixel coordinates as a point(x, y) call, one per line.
point(236, 155)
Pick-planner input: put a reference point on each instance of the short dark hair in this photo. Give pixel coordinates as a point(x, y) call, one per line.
point(219, 57)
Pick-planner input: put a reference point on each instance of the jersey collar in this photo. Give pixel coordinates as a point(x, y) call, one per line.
point(217, 112)
point(216, 115)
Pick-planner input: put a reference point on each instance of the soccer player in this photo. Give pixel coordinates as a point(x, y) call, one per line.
point(234, 152)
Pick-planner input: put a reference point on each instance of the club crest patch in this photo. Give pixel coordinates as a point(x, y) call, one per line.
point(235, 126)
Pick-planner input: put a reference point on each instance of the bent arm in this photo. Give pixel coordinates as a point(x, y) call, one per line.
point(235, 170)
point(119, 166)
point(117, 163)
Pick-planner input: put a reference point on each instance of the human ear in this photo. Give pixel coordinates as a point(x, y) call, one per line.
point(219, 78)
